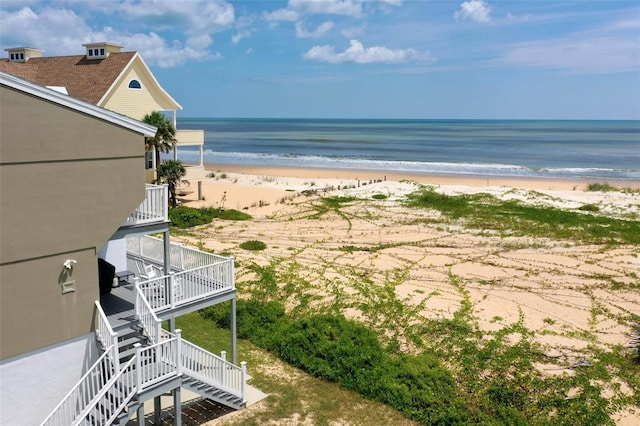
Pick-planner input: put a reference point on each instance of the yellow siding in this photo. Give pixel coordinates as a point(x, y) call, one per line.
point(136, 103)
point(190, 137)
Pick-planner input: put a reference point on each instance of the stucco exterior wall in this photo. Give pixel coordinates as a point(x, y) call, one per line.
point(136, 103)
point(67, 182)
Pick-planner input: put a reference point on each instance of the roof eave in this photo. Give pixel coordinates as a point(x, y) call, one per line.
point(76, 104)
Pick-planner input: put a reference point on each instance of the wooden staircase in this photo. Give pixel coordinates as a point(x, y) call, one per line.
point(212, 392)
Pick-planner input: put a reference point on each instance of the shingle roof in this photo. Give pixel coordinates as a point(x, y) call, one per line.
point(85, 79)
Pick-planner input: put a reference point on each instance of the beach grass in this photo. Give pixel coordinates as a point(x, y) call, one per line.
point(379, 270)
point(512, 217)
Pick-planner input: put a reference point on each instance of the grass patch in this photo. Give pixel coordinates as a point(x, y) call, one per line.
point(253, 245)
point(486, 212)
point(601, 187)
point(186, 217)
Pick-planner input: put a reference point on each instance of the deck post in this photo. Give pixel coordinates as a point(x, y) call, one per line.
point(157, 410)
point(141, 415)
point(178, 334)
point(172, 290)
point(167, 252)
point(243, 365)
point(223, 371)
point(177, 404)
point(233, 332)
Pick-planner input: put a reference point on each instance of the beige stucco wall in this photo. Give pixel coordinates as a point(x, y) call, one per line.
point(136, 103)
point(67, 182)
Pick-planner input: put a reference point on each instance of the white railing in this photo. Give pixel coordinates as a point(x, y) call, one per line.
point(106, 336)
point(212, 369)
point(182, 257)
point(112, 398)
point(181, 288)
point(154, 208)
point(194, 274)
point(146, 315)
point(158, 362)
point(84, 393)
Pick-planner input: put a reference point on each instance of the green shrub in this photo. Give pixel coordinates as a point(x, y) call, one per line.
point(379, 197)
point(232, 214)
point(253, 245)
point(589, 208)
point(602, 187)
point(331, 347)
point(186, 217)
point(258, 321)
point(343, 351)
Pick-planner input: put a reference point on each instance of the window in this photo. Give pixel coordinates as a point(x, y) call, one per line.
point(22, 56)
point(90, 52)
point(102, 52)
point(148, 163)
point(13, 56)
point(135, 84)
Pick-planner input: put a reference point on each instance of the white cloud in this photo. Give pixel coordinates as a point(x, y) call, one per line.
point(240, 35)
point(297, 9)
point(357, 53)
point(594, 55)
point(354, 31)
point(57, 31)
point(192, 16)
point(200, 42)
point(322, 29)
point(611, 47)
point(61, 31)
point(474, 10)
point(156, 50)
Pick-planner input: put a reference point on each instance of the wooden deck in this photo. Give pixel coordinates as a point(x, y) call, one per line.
point(119, 306)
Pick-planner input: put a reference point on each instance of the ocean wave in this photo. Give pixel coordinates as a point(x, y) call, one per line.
point(420, 167)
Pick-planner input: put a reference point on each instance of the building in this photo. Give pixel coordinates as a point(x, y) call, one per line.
point(72, 194)
point(112, 79)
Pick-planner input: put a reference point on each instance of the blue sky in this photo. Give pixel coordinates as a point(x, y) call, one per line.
point(362, 59)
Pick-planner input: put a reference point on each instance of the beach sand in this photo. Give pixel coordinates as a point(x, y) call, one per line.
point(560, 291)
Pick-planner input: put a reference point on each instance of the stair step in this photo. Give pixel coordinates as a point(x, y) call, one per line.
point(130, 341)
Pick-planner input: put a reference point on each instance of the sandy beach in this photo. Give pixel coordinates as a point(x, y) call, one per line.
point(560, 291)
point(237, 184)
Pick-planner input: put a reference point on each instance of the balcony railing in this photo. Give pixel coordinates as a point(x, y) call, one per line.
point(194, 274)
point(154, 208)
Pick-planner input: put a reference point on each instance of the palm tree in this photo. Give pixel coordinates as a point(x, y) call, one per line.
point(165, 138)
point(171, 172)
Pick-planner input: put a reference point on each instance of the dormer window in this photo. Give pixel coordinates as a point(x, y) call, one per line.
point(23, 54)
point(135, 84)
point(101, 50)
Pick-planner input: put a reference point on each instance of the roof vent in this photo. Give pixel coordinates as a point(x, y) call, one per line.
point(101, 50)
point(23, 54)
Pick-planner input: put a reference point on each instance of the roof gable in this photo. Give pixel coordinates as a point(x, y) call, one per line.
point(121, 83)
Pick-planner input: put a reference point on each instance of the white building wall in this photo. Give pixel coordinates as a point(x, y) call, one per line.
point(33, 384)
point(115, 252)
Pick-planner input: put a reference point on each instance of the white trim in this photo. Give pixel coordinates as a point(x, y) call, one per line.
point(125, 70)
point(76, 104)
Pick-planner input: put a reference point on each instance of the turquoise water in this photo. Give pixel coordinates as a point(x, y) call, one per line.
point(527, 148)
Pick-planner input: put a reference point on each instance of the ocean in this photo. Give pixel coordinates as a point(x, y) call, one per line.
point(597, 150)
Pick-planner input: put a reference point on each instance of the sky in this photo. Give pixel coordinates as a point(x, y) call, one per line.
point(483, 59)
